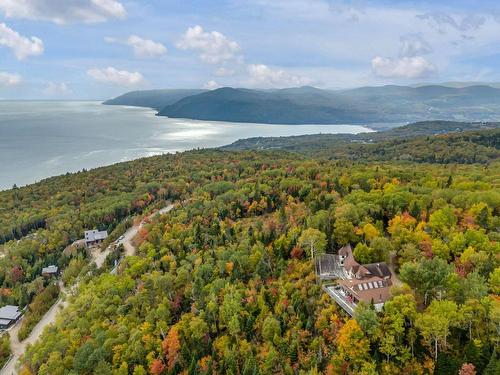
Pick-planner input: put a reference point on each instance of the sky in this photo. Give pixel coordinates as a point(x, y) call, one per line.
point(96, 49)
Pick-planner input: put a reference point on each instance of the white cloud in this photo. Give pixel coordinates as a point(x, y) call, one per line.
point(20, 45)
point(64, 11)
point(146, 47)
point(214, 47)
point(263, 76)
point(411, 64)
point(223, 71)
point(110, 39)
point(142, 47)
point(9, 79)
point(57, 89)
point(405, 67)
point(117, 77)
point(211, 85)
point(413, 45)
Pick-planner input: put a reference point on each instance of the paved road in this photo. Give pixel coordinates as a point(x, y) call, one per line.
point(18, 348)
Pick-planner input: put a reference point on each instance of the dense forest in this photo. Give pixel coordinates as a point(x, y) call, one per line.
point(441, 142)
point(223, 284)
point(4, 349)
point(38, 223)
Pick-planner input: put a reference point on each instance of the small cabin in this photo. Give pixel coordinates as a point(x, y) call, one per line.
point(95, 237)
point(50, 271)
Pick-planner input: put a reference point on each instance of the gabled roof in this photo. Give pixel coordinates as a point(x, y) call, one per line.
point(350, 264)
point(368, 289)
point(346, 250)
point(379, 269)
point(363, 270)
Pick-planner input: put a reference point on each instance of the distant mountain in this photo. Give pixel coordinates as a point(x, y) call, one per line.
point(301, 106)
point(458, 84)
point(310, 105)
point(156, 99)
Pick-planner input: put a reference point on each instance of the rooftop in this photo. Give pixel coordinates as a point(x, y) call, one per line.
point(380, 269)
point(355, 282)
point(327, 266)
point(95, 235)
point(345, 250)
point(370, 289)
point(9, 312)
point(50, 269)
point(5, 322)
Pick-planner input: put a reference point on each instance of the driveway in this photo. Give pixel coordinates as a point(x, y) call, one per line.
point(18, 348)
point(129, 235)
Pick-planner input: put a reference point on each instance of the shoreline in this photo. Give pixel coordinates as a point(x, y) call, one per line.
point(43, 141)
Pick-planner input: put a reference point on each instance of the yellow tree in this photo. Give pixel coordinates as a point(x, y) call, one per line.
point(352, 348)
point(435, 323)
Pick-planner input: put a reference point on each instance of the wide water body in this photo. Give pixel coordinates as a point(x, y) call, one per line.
point(43, 139)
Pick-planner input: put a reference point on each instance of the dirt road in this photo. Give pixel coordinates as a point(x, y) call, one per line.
point(18, 348)
point(129, 235)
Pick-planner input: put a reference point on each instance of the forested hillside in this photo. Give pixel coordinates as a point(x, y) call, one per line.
point(378, 106)
point(423, 142)
point(156, 99)
point(39, 221)
point(224, 283)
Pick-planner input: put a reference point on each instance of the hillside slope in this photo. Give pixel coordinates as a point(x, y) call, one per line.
point(276, 107)
point(224, 284)
point(305, 105)
point(156, 99)
point(432, 142)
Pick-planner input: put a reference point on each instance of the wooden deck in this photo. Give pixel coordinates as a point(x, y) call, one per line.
point(339, 297)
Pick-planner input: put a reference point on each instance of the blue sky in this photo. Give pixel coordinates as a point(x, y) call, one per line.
point(95, 49)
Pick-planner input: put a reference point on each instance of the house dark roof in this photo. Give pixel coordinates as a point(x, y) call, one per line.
point(357, 282)
point(326, 264)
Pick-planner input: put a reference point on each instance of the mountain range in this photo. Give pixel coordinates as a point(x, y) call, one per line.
point(156, 99)
point(309, 105)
